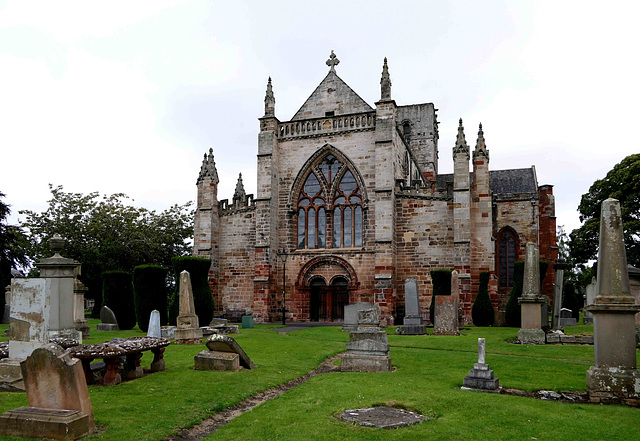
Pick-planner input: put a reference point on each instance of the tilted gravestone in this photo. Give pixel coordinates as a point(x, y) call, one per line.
point(108, 319)
point(413, 322)
point(59, 404)
point(223, 354)
point(531, 301)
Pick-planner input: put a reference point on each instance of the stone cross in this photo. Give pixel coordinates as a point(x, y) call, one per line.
point(481, 353)
point(332, 62)
point(531, 286)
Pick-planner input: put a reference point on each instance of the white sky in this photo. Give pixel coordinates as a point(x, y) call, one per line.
point(127, 96)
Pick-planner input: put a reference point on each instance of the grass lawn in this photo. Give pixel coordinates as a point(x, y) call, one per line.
point(428, 371)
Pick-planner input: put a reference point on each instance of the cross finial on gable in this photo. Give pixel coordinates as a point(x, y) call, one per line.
point(332, 62)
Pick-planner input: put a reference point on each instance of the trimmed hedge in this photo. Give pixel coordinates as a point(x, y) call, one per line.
point(441, 280)
point(482, 312)
point(198, 268)
point(512, 310)
point(117, 294)
point(149, 293)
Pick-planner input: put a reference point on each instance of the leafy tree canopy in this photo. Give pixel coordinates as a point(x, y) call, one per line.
point(622, 183)
point(12, 247)
point(103, 233)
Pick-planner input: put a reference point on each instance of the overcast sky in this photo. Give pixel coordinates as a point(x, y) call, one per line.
point(127, 96)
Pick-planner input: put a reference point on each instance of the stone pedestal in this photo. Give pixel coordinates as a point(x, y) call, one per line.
point(216, 361)
point(367, 351)
point(531, 330)
point(481, 377)
point(34, 422)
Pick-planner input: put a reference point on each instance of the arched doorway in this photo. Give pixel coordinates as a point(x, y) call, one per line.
point(325, 283)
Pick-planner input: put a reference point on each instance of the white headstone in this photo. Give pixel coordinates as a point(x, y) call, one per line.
point(154, 325)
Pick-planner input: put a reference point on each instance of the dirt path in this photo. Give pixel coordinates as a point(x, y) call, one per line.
point(213, 423)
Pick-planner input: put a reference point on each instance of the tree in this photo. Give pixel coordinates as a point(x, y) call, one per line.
point(482, 312)
point(622, 183)
point(12, 249)
point(104, 234)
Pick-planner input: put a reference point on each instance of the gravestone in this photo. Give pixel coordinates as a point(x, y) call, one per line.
point(7, 305)
point(413, 323)
point(352, 311)
point(59, 404)
point(614, 375)
point(247, 321)
point(79, 320)
point(531, 301)
point(223, 354)
point(481, 377)
point(446, 316)
point(368, 347)
point(559, 266)
point(154, 324)
point(591, 292)
point(455, 292)
point(108, 319)
point(188, 331)
point(566, 317)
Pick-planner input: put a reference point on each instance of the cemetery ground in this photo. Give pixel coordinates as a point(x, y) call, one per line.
point(428, 371)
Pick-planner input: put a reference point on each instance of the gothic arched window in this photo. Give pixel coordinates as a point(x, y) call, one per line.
point(330, 203)
point(507, 254)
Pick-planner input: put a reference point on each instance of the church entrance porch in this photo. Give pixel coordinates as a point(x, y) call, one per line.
point(323, 288)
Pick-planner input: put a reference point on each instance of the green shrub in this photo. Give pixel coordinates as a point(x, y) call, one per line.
point(117, 294)
point(482, 312)
point(441, 280)
point(198, 268)
point(571, 300)
point(149, 293)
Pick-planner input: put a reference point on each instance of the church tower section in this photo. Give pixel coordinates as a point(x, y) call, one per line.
point(206, 229)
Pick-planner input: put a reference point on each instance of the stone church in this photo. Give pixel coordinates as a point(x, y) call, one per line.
point(350, 197)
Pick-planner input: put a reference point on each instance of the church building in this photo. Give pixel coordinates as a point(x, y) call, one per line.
point(350, 203)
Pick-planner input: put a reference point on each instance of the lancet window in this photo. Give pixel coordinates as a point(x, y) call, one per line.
point(330, 207)
point(507, 246)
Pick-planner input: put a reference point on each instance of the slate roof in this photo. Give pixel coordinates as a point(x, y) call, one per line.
point(331, 95)
point(502, 182)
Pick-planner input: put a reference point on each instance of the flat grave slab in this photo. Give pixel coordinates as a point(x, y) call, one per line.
point(382, 417)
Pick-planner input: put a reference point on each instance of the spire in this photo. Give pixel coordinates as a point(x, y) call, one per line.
point(461, 143)
point(269, 101)
point(208, 168)
point(239, 197)
point(481, 147)
point(332, 62)
point(385, 82)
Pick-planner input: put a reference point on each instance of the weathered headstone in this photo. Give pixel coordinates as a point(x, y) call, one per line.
point(446, 316)
point(188, 331)
point(223, 354)
point(481, 377)
point(591, 292)
point(59, 404)
point(368, 347)
point(566, 317)
point(79, 320)
point(531, 301)
point(108, 319)
point(154, 324)
point(559, 266)
point(614, 374)
point(352, 311)
point(413, 323)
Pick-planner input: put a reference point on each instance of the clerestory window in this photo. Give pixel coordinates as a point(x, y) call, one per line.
point(330, 207)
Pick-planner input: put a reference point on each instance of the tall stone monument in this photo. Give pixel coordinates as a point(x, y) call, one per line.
point(413, 323)
point(531, 301)
point(188, 332)
point(614, 374)
point(559, 266)
point(41, 309)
